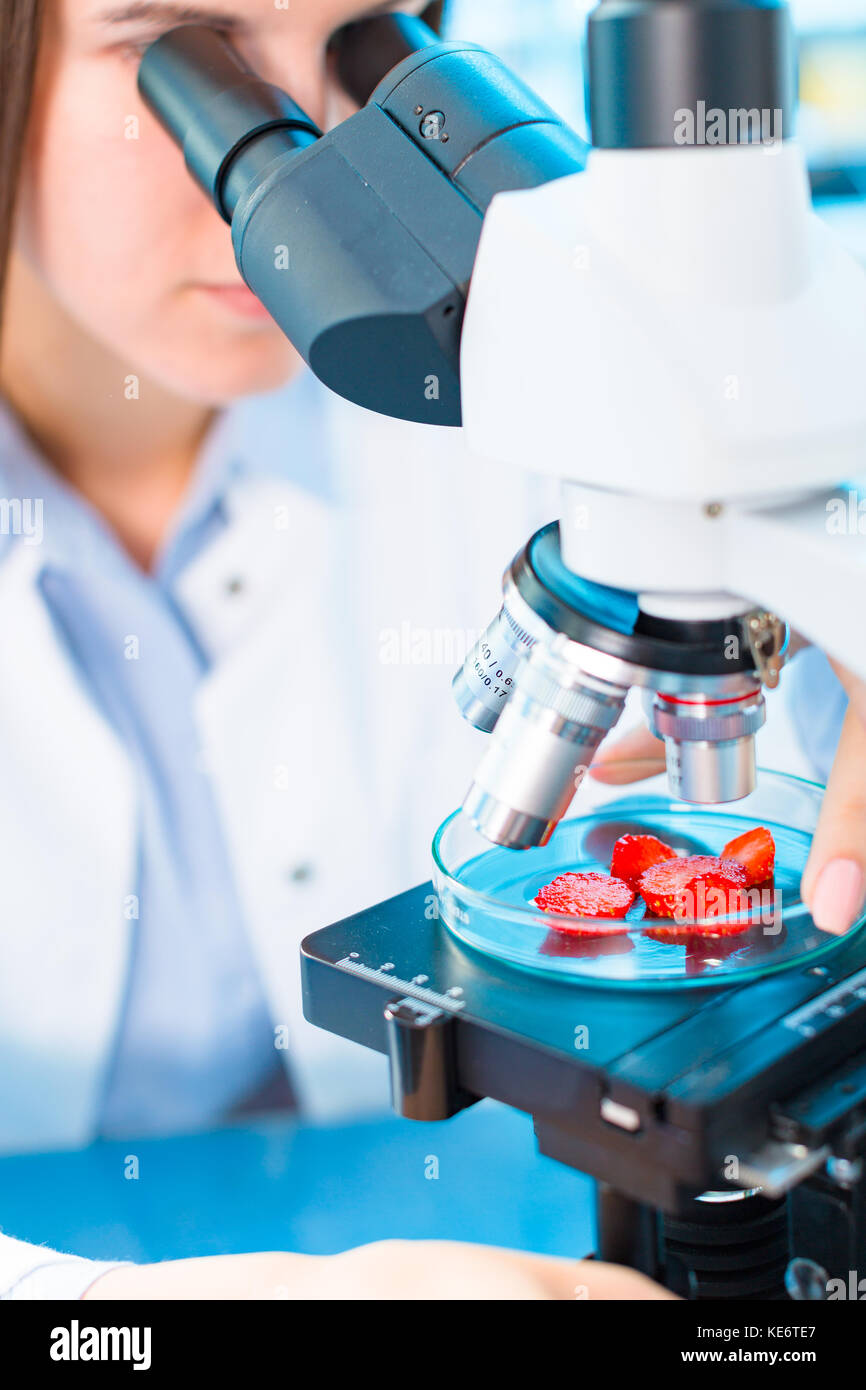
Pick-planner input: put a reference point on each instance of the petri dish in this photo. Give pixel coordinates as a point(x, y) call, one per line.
point(486, 893)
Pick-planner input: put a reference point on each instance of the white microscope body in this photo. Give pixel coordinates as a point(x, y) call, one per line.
point(677, 336)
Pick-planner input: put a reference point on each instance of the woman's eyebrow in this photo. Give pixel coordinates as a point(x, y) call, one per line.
point(165, 12)
point(371, 10)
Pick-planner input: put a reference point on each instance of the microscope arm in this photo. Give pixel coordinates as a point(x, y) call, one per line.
point(803, 558)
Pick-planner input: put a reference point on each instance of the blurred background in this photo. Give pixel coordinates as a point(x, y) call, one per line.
point(543, 40)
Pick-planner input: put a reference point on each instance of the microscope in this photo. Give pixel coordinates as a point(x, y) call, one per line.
point(660, 322)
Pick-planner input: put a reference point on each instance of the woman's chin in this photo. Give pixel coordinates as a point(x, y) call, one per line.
point(250, 366)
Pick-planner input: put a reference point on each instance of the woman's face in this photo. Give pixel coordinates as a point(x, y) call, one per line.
point(111, 223)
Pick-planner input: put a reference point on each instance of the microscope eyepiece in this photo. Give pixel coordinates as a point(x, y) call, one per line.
point(361, 242)
point(217, 109)
point(368, 49)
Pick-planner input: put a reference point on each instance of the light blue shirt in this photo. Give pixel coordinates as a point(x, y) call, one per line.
point(818, 702)
point(195, 1038)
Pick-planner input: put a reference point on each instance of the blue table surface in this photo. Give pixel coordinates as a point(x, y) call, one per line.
point(281, 1185)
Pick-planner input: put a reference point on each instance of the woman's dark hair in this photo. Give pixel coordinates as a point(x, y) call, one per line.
point(434, 14)
point(20, 28)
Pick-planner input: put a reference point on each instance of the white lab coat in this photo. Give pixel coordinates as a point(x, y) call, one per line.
point(329, 732)
point(331, 739)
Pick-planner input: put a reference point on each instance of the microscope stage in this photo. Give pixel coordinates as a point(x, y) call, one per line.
point(654, 1090)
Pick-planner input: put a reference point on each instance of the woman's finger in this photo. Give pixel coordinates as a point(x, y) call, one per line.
point(834, 883)
point(633, 757)
point(855, 688)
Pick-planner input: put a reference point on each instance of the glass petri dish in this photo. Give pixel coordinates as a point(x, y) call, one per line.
point(486, 893)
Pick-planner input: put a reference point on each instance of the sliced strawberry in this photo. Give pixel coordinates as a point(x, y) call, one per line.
point(700, 886)
point(756, 851)
point(588, 896)
point(632, 854)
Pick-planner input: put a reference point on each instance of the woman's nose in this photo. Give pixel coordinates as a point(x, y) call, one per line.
point(299, 67)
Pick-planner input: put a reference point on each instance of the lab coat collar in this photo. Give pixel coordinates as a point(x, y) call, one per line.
point(278, 437)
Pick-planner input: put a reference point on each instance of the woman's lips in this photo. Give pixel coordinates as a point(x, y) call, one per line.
point(237, 300)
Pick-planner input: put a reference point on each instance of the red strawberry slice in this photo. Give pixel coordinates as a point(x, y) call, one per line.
point(756, 851)
point(587, 895)
point(632, 854)
point(700, 886)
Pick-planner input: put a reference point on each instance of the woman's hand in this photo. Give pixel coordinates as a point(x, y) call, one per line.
point(395, 1270)
point(834, 882)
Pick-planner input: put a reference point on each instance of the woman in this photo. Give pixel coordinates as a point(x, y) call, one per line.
point(220, 725)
